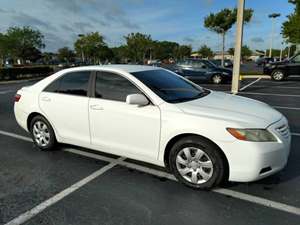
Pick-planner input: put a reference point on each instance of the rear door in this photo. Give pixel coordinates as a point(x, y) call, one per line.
point(121, 128)
point(65, 104)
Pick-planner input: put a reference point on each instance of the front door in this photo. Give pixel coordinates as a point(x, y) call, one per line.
point(121, 128)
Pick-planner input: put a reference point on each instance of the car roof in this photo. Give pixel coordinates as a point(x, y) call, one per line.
point(117, 67)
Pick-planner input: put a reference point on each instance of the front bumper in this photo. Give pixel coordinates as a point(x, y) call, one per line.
point(250, 161)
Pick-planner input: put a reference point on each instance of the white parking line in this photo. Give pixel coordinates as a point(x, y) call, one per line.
point(120, 161)
point(258, 93)
point(228, 192)
point(282, 107)
point(248, 85)
point(5, 92)
point(42, 206)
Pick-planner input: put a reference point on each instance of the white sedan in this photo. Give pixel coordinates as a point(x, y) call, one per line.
point(153, 115)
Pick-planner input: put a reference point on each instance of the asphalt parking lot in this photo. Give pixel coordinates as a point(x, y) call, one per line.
point(78, 186)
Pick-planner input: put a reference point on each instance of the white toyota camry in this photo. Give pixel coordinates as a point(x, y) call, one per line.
point(151, 114)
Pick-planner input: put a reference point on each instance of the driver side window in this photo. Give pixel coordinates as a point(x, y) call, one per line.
point(114, 87)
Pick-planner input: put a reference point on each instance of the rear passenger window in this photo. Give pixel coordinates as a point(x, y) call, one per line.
point(111, 86)
point(75, 83)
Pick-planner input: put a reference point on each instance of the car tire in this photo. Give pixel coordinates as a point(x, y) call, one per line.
point(217, 79)
point(197, 163)
point(42, 133)
point(278, 75)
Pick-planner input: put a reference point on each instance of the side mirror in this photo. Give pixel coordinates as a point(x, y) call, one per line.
point(137, 99)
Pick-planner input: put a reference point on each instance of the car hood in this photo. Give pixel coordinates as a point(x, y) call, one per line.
point(279, 63)
point(246, 112)
point(222, 69)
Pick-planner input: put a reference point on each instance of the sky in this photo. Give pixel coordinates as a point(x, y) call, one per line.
point(61, 21)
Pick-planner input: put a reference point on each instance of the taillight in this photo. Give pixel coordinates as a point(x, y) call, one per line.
point(17, 97)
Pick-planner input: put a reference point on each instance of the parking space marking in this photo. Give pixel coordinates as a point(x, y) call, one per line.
point(223, 191)
point(283, 107)
point(15, 136)
point(120, 161)
point(248, 85)
point(5, 92)
point(42, 206)
point(258, 93)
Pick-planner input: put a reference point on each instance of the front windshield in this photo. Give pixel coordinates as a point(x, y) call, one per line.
point(210, 64)
point(169, 87)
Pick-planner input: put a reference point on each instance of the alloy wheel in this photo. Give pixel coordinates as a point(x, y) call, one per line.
point(278, 75)
point(217, 79)
point(194, 165)
point(41, 133)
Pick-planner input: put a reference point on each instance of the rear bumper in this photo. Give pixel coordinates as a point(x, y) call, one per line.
point(251, 161)
point(21, 117)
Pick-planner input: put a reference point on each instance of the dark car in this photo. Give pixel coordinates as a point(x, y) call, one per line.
point(203, 70)
point(218, 62)
point(283, 69)
point(262, 61)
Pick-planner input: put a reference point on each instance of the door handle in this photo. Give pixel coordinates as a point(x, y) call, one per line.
point(46, 99)
point(96, 107)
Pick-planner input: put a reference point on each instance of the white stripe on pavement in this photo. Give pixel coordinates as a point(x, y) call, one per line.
point(228, 192)
point(248, 85)
point(296, 134)
point(5, 92)
point(282, 107)
point(15, 136)
point(258, 93)
point(120, 161)
point(42, 206)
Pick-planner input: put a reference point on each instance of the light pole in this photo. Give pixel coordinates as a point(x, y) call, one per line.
point(81, 47)
point(238, 47)
point(272, 16)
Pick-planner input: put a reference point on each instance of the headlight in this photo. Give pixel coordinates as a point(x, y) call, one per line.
point(255, 135)
point(268, 65)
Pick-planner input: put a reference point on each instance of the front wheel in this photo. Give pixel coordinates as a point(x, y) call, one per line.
point(217, 79)
point(42, 133)
point(197, 163)
point(278, 75)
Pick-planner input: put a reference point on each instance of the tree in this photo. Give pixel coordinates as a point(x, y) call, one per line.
point(231, 51)
point(20, 41)
point(66, 55)
point(246, 52)
point(205, 52)
point(138, 45)
point(291, 28)
point(120, 54)
point(90, 46)
point(164, 49)
point(183, 51)
point(223, 21)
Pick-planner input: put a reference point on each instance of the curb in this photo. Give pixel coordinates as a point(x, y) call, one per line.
point(254, 76)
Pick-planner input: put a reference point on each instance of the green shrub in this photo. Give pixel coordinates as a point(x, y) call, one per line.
point(16, 73)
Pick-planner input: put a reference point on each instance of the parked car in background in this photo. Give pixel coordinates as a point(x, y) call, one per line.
point(281, 70)
point(218, 62)
point(203, 70)
point(262, 61)
point(153, 115)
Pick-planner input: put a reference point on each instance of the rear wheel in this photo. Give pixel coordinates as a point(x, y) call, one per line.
point(217, 79)
point(42, 133)
point(197, 163)
point(278, 75)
